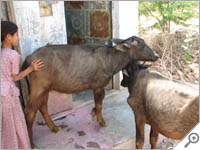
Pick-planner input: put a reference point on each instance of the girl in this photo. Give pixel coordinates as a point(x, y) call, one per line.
point(14, 130)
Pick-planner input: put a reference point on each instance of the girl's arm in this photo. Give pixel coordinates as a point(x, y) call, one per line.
point(36, 65)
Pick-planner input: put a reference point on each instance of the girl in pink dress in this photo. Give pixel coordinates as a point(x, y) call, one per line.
point(14, 133)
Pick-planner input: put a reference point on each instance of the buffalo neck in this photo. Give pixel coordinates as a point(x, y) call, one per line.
point(133, 80)
point(134, 67)
point(118, 59)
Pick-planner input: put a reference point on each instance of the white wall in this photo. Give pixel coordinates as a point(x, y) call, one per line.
point(128, 18)
point(36, 31)
point(125, 24)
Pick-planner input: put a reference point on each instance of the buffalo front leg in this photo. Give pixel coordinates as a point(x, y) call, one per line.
point(44, 111)
point(139, 133)
point(98, 99)
point(153, 138)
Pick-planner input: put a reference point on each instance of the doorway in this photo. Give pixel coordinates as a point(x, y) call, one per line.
point(89, 22)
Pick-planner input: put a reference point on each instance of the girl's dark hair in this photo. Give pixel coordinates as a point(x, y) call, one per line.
point(7, 27)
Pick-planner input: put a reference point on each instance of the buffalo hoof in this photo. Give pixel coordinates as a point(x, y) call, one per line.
point(93, 112)
point(33, 146)
point(102, 123)
point(139, 145)
point(55, 129)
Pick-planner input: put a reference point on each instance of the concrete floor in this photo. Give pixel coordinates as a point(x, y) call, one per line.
point(80, 131)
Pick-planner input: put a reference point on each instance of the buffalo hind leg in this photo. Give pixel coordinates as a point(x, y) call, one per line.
point(153, 138)
point(30, 117)
point(98, 99)
point(30, 113)
point(44, 111)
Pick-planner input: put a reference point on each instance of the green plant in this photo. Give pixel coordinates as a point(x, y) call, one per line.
point(166, 12)
point(188, 51)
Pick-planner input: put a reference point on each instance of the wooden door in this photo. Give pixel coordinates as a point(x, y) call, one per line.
point(7, 14)
point(4, 12)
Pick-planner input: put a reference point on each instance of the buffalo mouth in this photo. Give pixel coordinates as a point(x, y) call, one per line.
point(152, 60)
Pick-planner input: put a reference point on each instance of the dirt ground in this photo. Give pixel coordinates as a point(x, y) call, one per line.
point(178, 50)
point(78, 130)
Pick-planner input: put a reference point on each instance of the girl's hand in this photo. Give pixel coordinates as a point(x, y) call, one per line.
point(37, 65)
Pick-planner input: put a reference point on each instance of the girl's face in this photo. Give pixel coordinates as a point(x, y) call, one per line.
point(13, 39)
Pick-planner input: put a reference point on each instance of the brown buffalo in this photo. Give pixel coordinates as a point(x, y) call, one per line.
point(74, 68)
point(169, 107)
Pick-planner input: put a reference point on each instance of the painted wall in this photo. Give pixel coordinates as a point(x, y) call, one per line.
point(36, 31)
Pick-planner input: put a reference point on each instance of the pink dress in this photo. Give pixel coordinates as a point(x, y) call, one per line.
point(14, 133)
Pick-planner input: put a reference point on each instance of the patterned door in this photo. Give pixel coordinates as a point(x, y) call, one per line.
point(89, 22)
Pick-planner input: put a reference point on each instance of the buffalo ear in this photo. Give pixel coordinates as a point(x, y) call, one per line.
point(48, 44)
point(122, 47)
point(134, 43)
point(117, 41)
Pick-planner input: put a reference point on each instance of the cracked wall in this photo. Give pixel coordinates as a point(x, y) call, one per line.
point(36, 31)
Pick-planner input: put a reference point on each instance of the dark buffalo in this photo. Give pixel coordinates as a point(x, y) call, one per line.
point(170, 107)
point(74, 68)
